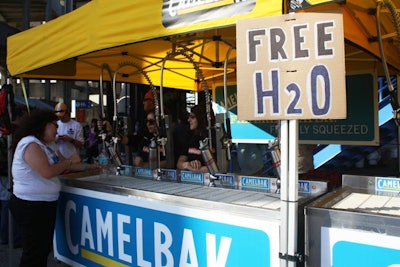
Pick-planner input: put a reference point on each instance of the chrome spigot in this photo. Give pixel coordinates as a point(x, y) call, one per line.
point(213, 178)
point(118, 170)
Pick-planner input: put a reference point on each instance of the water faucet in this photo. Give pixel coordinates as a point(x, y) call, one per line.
point(209, 160)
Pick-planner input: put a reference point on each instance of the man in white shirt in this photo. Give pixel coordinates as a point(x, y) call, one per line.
point(69, 134)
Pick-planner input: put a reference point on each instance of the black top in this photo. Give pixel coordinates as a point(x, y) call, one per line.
point(191, 149)
point(144, 149)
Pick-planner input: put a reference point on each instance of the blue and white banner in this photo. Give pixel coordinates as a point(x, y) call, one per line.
point(387, 184)
point(356, 248)
point(192, 177)
point(101, 229)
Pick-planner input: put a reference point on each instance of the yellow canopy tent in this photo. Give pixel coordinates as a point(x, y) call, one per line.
point(77, 45)
point(360, 31)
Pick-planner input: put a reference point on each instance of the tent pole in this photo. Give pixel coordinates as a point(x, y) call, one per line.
point(10, 217)
point(10, 155)
point(293, 191)
point(289, 193)
point(284, 135)
point(101, 93)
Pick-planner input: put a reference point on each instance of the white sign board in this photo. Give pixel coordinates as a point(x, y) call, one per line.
point(291, 67)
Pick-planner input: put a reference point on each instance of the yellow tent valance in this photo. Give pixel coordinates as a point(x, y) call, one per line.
point(76, 46)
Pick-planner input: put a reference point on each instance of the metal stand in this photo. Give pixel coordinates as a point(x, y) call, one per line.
point(10, 217)
point(289, 193)
point(169, 143)
point(221, 145)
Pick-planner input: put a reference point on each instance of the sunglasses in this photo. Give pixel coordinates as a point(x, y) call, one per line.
point(151, 122)
point(59, 111)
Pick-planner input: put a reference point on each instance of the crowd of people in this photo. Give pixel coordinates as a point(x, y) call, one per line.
point(38, 138)
point(188, 131)
point(47, 144)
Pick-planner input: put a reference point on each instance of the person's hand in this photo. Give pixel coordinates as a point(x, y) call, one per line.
point(94, 166)
point(65, 138)
point(75, 158)
point(195, 164)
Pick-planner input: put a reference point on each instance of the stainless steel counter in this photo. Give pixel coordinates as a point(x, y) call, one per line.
point(361, 217)
point(248, 210)
point(238, 201)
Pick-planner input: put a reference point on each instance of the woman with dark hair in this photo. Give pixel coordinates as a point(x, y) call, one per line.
point(36, 186)
point(143, 153)
point(190, 154)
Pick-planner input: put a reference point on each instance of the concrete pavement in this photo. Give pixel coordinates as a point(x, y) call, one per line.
point(11, 258)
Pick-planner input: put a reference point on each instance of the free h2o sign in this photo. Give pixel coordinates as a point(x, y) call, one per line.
point(291, 67)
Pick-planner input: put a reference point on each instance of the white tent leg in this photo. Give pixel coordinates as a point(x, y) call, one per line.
point(284, 135)
point(289, 192)
point(293, 190)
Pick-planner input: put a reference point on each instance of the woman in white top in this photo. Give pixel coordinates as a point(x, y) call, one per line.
point(36, 185)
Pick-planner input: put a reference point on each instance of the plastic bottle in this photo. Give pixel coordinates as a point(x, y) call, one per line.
point(103, 158)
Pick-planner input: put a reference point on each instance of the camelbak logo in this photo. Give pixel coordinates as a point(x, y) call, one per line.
point(255, 182)
point(143, 172)
point(387, 184)
point(192, 177)
point(183, 12)
point(104, 229)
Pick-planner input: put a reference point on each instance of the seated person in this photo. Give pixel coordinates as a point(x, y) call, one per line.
point(305, 158)
point(142, 158)
point(181, 133)
point(190, 157)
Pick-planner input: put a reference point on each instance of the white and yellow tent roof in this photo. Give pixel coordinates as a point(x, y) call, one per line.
point(77, 45)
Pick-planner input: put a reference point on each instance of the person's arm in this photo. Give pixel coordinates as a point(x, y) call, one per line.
point(75, 158)
point(77, 165)
point(163, 163)
point(203, 169)
point(194, 165)
point(77, 143)
point(70, 139)
point(79, 139)
point(124, 139)
point(139, 162)
point(37, 159)
point(81, 166)
point(182, 162)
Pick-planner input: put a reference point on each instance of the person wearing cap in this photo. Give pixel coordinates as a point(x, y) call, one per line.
point(70, 137)
point(190, 157)
point(139, 133)
point(148, 102)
